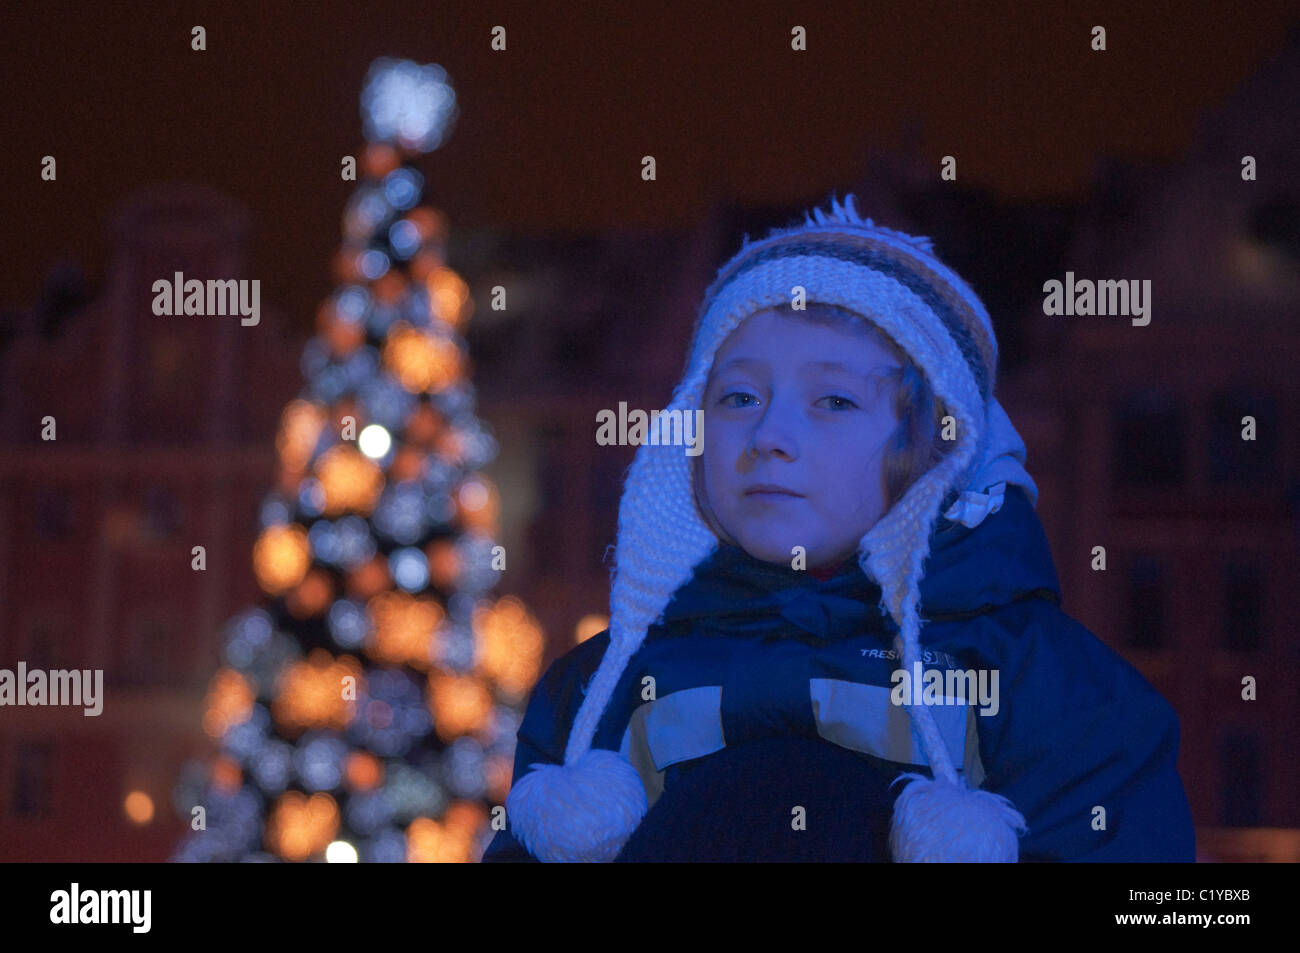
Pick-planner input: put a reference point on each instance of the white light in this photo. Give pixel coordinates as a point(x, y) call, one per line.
point(374, 441)
point(473, 495)
point(340, 852)
point(406, 103)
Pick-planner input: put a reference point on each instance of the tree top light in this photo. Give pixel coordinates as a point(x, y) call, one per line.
point(407, 104)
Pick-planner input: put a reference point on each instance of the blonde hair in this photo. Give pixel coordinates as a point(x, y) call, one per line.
point(915, 446)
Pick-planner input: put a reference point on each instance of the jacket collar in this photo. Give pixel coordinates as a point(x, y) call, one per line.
point(969, 571)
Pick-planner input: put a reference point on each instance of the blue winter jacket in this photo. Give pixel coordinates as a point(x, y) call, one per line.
point(757, 711)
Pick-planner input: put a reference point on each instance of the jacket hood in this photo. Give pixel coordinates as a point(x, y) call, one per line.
point(969, 571)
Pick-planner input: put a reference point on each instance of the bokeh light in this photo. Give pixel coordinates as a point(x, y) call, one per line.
point(281, 557)
point(351, 482)
point(403, 628)
point(309, 694)
point(460, 704)
point(419, 360)
point(450, 297)
point(298, 826)
point(340, 852)
point(374, 441)
point(138, 807)
point(230, 699)
point(300, 428)
point(409, 104)
point(589, 625)
point(508, 645)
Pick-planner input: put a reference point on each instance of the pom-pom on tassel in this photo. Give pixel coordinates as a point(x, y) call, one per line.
point(581, 812)
point(941, 822)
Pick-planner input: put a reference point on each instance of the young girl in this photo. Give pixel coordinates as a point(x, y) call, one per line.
point(836, 634)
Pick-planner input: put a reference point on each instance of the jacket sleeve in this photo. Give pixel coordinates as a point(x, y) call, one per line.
point(544, 732)
point(1080, 730)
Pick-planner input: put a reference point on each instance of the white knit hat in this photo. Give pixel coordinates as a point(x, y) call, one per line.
point(587, 808)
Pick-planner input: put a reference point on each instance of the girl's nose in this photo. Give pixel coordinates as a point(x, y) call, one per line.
point(771, 437)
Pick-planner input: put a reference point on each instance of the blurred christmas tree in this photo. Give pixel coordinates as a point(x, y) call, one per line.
point(368, 710)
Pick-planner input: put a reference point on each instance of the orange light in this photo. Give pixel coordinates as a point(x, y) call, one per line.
point(309, 694)
point(299, 827)
point(450, 296)
point(363, 771)
point(313, 595)
point(351, 481)
point(424, 425)
point(444, 563)
point(379, 159)
point(425, 262)
point(281, 557)
point(389, 287)
point(345, 265)
point(404, 628)
point(460, 704)
point(588, 626)
point(496, 777)
point(300, 426)
point(428, 842)
point(369, 579)
point(138, 807)
point(421, 361)
point(478, 504)
point(344, 337)
point(229, 700)
point(408, 464)
point(508, 645)
point(227, 775)
point(465, 816)
point(431, 224)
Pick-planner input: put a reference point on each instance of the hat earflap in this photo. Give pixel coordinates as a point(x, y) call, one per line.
point(939, 819)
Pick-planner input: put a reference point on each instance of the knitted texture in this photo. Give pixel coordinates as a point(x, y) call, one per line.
point(895, 281)
point(923, 832)
point(544, 802)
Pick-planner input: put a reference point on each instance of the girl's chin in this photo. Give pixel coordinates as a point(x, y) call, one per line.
point(775, 548)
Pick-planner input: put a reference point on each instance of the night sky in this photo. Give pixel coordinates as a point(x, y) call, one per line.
point(551, 132)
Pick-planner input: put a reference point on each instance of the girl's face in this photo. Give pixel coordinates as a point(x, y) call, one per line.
point(777, 412)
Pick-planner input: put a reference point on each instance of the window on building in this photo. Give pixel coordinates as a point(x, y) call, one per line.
point(1149, 440)
point(42, 646)
point(551, 534)
point(1243, 605)
point(162, 513)
point(33, 787)
point(1241, 772)
point(1146, 603)
point(1236, 461)
point(53, 513)
point(145, 652)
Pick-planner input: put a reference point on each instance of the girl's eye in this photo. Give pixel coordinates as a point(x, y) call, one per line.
point(735, 393)
point(844, 399)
